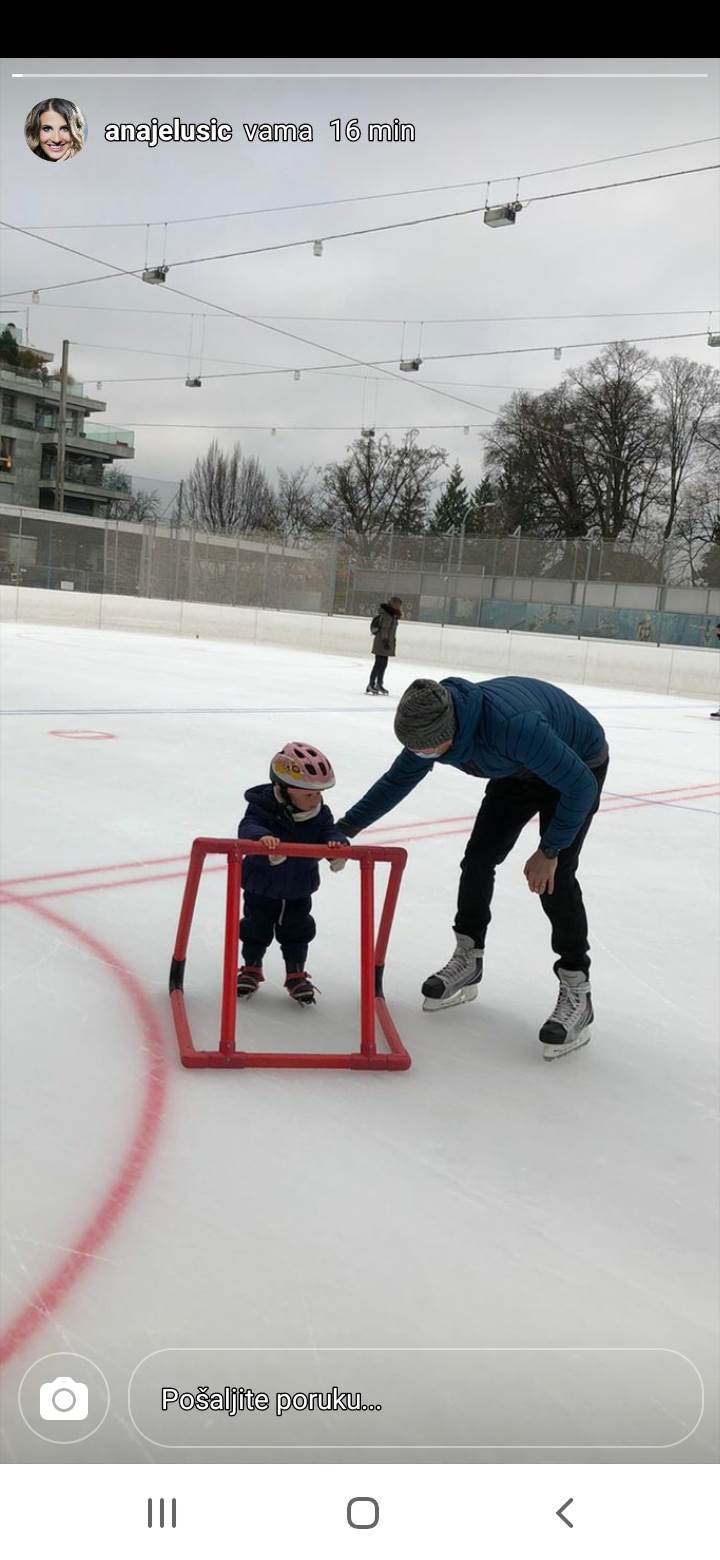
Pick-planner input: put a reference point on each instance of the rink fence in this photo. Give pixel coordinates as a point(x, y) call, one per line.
point(669, 669)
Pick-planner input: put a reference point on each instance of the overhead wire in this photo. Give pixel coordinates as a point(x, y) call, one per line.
point(369, 319)
point(417, 384)
point(346, 200)
point(302, 243)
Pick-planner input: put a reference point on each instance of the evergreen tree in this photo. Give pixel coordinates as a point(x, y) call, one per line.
point(485, 516)
point(451, 509)
point(9, 349)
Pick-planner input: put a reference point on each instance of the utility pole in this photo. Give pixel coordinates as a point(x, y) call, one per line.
point(462, 544)
point(178, 528)
point(62, 415)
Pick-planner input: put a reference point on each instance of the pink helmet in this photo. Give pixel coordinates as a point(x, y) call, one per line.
point(301, 765)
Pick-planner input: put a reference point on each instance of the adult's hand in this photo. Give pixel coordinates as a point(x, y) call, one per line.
point(540, 873)
point(337, 863)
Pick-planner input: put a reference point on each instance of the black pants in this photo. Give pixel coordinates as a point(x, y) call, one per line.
point(507, 806)
point(289, 920)
point(378, 671)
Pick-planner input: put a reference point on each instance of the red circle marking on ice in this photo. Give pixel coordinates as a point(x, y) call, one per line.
point(85, 736)
point(109, 1211)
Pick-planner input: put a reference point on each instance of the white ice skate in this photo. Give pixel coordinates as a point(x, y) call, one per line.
point(568, 1027)
point(458, 980)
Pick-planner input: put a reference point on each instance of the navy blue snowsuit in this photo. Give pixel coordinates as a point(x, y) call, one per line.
point(277, 901)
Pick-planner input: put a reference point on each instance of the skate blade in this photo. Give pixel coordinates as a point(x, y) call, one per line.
point(435, 1004)
point(552, 1052)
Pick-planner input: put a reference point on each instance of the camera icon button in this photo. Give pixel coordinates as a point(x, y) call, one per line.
point(64, 1398)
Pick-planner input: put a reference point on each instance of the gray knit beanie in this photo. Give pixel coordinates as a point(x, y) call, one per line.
point(425, 716)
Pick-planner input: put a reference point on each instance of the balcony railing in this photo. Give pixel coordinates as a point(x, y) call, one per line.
point(12, 420)
point(36, 376)
point(106, 435)
point(98, 433)
point(76, 472)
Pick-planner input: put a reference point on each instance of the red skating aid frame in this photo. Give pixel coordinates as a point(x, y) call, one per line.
point(373, 1007)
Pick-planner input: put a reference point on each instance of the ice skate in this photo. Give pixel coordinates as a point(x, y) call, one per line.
point(249, 978)
point(568, 1027)
point(386, 691)
point(715, 714)
point(458, 980)
point(300, 987)
point(370, 689)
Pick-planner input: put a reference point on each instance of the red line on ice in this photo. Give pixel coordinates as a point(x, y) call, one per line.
point(107, 1215)
point(117, 866)
point(618, 801)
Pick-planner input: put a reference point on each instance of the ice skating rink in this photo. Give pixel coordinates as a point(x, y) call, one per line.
point(485, 1201)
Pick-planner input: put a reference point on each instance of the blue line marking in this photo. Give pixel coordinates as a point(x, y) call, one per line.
point(282, 709)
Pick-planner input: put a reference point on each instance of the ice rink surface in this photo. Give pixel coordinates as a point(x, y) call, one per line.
point(484, 1199)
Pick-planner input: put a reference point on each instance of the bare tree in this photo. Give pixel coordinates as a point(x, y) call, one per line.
point(378, 487)
point(696, 533)
point(229, 494)
point(135, 507)
point(297, 502)
point(536, 462)
point(582, 460)
point(619, 436)
point(689, 395)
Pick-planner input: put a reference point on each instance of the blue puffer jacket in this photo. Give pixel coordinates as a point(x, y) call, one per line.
point(507, 726)
point(299, 875)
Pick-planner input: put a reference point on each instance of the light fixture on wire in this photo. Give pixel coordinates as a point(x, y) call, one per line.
point(410, 365)
point(713, 338)
point(296, 375)
point(193, 376)
point(466, 429)
point(317, 247)
point(557, 353)
point(155, 274)
point(368, 433)
point(35, 296)
point(501, 216)
point(273, 433)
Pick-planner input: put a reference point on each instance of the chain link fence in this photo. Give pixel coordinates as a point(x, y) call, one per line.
point(525, 583)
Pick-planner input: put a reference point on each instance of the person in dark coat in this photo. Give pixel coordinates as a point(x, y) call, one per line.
point(542, 753)
point(277, 889)
point(385, 635)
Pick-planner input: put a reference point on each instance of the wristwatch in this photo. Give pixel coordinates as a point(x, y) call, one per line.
point(547, 850)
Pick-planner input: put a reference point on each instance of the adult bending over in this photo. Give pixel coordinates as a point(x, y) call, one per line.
point(542, 752)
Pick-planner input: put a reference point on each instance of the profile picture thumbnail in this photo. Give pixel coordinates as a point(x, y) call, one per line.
point(55, 129)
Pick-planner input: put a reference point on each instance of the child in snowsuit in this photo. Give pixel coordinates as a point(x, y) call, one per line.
point(277, 898)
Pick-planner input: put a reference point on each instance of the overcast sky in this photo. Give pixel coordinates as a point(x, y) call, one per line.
point(623, 251)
